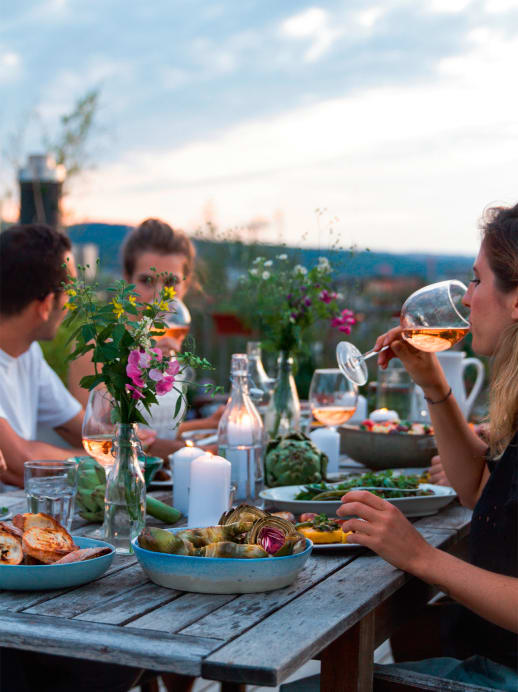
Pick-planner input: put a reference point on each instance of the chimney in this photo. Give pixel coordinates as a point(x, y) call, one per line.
point(41, 181)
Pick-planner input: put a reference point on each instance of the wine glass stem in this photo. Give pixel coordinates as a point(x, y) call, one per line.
point(372, 352)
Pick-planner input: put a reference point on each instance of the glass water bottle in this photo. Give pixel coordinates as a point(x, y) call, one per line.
point(258, 375)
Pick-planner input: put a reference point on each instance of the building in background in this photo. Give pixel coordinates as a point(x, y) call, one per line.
point(41, 184)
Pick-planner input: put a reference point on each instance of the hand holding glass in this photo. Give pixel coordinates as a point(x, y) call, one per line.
point(432, 319)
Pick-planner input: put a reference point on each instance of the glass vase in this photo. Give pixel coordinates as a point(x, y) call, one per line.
point(125, 498)
point(283, 412)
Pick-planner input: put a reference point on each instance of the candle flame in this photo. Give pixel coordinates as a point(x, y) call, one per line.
point(384, 410)
point(189, 443)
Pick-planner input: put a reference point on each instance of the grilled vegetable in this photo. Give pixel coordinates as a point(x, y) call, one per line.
point(47, 545)
point(285, 515)
point(11, 552)
point(214, 534)
point(232, 550)
point(162, 541)
point(242, 513)
point(276, 535)
point(293, 459)
point(82, 555)
point(322, 529)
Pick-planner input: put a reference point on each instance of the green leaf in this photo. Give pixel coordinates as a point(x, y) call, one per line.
point(88, 332)
point(91, 381)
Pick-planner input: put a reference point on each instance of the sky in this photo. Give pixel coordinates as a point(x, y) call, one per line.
point(388, 124)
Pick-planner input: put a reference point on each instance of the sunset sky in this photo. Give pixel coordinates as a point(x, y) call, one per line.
point(398, 119)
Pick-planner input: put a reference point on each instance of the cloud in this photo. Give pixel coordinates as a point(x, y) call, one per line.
point(10, 66)
point(313, 24)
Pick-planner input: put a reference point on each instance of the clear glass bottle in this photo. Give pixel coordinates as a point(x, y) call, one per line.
point(125, 498)
point(257, 373)
point(241, 434)
point(395, 389)
point(283, 412)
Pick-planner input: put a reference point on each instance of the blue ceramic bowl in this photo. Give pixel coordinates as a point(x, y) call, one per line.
point(220, 575)
point(40, 577)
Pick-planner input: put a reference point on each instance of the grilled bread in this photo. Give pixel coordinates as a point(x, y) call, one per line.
point(7, 526)
point(11, 552)
point(47, 545)
point(82, 554)
point(40, 521)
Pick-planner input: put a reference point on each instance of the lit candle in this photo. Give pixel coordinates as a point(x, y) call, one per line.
point(180, 463)
point(383, 414)
point(240, 439)
point(328, 441)
point(209, 490)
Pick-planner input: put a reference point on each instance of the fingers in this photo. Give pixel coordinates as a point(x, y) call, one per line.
point(358, 526)
point(365, 497)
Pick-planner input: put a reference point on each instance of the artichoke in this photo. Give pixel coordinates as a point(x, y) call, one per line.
point(242, 513)
point(277, 536)
point(293, 460)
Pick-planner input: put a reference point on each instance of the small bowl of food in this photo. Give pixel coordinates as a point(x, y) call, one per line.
point(249, 551)
point(390, 444)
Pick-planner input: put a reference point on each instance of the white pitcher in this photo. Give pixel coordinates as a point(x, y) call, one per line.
point(454, 363)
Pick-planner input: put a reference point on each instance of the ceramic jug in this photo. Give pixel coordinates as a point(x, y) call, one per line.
point(454, 363)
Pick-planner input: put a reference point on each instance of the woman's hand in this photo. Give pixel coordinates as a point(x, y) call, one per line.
point(146, 436)
point(437, 473)
point(213, 420)
point(423, 367)
point(380, 526)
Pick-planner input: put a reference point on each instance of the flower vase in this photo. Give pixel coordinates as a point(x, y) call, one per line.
point(283, 412)
point(125, 498)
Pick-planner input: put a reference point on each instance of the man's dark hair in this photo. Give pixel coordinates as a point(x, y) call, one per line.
point(31, 259)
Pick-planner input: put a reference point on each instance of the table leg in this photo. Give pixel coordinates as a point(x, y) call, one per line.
point(232, 687)
point(347, 663)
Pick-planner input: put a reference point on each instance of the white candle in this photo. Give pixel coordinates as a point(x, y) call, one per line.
point(240, 439)
point(180, 463)
point(383, 414)
point(328, 441)
point(210, 490)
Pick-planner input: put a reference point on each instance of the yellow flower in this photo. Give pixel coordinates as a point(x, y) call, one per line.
point(71, 292)
point(70, 306)
point(163, 305)
point(169, 292)
point(132, 300)
point(117, 308)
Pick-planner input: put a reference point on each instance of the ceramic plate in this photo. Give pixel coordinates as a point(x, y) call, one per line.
point(166, 483)
point(201, 438)
point(283, 499)
point(6, 516)
point(40, 577)
point(341, 547)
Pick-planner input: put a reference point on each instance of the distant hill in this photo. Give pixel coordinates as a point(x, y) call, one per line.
point(365, 264)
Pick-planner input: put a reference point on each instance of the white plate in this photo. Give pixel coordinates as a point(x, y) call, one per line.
point(168, 483)
point(283, 499)
point(201, 438)
point(322, 547)
point(5, 517)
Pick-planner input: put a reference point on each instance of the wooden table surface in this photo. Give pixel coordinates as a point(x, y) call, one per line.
point(341, 607)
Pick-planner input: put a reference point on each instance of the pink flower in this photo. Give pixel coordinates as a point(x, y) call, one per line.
point(135, 375)
point(173, 368)
point(156, 375)
point(139, 358)
point(344, 321)
point(326, 297)
point(135, 393)
point(157, 352)
point(165, 385)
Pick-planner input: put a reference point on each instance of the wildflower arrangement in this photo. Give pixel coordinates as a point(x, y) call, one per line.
point(286, 301)
point(121, 335)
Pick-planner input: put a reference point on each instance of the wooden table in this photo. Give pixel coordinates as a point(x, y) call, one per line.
point(342, 606)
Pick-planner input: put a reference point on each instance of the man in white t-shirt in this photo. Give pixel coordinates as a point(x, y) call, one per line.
point(31, 309)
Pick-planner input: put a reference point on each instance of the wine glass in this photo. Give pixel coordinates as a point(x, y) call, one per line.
point(432, 319)
point(177, 320)
point(98, 429)
point(332, 397)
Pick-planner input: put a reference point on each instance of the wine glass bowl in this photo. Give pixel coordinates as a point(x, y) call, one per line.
point(177, 321)
point(432, 319)
point(98, 428)
point(332, 397)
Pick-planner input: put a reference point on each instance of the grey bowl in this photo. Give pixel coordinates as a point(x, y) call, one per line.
point(385, 451)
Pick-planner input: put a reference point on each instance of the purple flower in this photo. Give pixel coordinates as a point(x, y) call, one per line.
point(303, 289)
point(307, 302)
point(295, 316)
point(156, 375)
point(344, 321)
point(135, 393)
point(327, 297)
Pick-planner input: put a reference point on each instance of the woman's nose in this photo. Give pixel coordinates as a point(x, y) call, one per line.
point(466, 299)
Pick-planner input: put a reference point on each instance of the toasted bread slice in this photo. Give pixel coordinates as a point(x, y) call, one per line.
point(47, 545)
point(82, 554)
point(40, 521)
point(11, 552)
point(7, 526)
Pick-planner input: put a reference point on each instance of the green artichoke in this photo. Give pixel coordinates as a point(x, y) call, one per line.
point(293, 460)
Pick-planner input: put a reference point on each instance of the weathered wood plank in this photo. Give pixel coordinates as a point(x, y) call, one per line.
point(90, 595)
point(182, 612)
point(401, 680)
point(454, 517)
point(313, 620)
point(130, 604)
point(86, 640)
point(247, 609)
point(19, 600)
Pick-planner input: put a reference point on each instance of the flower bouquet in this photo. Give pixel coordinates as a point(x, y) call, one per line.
point(119, 334)
point(286, 302)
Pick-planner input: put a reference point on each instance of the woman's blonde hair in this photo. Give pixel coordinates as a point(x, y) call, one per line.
point(500, 243)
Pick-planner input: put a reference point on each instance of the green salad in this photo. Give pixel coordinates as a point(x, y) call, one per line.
point(388, 486)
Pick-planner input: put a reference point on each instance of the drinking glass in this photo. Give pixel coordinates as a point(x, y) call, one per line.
point(98, 429)
point(177, 320)
point(433, 319)
point(332, 397)
point(50, 487)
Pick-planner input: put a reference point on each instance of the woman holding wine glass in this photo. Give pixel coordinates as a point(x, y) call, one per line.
point(482, 646)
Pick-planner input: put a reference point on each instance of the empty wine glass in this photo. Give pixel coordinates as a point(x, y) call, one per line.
point(332, 397)
point(432, 319)
point(98, 429)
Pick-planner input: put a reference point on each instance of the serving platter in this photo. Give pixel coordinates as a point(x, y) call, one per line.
point(340, 547)
point(283, 499)
point(7, 515)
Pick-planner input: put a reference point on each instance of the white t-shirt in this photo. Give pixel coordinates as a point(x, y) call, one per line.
point(31, 393)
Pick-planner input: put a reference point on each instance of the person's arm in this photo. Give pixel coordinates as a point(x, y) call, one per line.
point(17, 451)
point(71, 430)
point(78, 368)
point(202, 423)
point(163, 448)
point(462, 452)
point(381, 527)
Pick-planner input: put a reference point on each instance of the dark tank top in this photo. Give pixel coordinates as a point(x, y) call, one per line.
point(494, 547)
